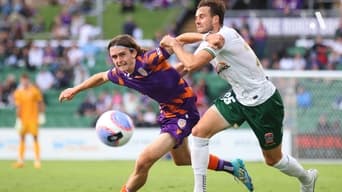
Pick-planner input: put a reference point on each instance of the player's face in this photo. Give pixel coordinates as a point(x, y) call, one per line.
point(123, 58)
point(203, 20)
point(24, 81)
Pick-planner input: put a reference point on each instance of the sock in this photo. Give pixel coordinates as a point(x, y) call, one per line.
point(21, 152)
point(291, 167)
point(220, 165)
point(199, 161)
point(124, 189)
point(36, 151)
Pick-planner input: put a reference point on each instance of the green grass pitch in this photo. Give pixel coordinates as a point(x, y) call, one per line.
point(103, 176)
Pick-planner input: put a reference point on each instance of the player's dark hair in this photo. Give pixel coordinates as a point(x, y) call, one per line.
point(126, 41)
point(25, 76)
point(217, 7)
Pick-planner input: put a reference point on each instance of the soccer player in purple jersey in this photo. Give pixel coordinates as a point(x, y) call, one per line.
point(149, 73)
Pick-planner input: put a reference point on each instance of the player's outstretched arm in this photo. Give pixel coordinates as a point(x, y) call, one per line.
point(215, 40)
point(190, 61)
point(93, 81)
point(187, 38)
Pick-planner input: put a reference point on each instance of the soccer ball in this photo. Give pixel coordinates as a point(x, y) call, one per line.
point(114, 128)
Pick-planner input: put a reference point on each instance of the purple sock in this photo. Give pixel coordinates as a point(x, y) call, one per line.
point(225, 166)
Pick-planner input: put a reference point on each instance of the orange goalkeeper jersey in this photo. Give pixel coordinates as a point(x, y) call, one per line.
point(27, 100)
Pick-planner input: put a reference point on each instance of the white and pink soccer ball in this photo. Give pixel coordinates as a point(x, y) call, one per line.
point(114, 128)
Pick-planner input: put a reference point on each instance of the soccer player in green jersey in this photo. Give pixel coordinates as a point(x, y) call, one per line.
point(253, 98)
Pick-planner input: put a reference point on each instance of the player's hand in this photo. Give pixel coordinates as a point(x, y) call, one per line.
point(41, 118)
point(168, 41)
point(215, 40)
point(18, 125)
point(67, 94)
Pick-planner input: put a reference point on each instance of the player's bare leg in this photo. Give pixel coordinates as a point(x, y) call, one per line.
point(163, 144)
point(290, 166)
point(37, 163)
point(181, 155)
point(21, 152)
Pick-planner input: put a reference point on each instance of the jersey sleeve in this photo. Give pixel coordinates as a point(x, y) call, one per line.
point(38, 94)
point(156, 56)
point(229, 37)
point(114, 77)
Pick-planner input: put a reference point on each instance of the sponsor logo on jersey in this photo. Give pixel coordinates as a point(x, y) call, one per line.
point(269, 138)
point(221, 66)
point(142, 72)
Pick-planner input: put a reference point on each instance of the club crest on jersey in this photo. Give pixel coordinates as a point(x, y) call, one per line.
point(181, 123)
point(221, 66)
point(142, 72)
point(159, 51)
point(269, 138)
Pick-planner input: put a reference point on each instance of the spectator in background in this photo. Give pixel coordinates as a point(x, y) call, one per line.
point(2, 56)
point(260, 40)
point(323, 126)
point(62, 79)
point(127, 6)
point(286, 62)
point(138, 33)
point(18, 26)
point(337, 104)
point(87, 108)
point(149, 117)
point(246, 35)
point(13, 56)
point(117, 101)
point(35, 56)
point(87, 33)
point(304, 97)
point(76, 23)
point(299, 62)
point(2, 101)
point(103, 102)
point(44, 80)
point(131, 103)
point(129, 25)
point(318, 54)
point(60, 49)
point(38, 24)
point(80, 73)
point(65, 18)
point(89, 51)
point(201, 90)
point(338, 31)
point(8, 88)
point(59, 31)
point(49, 56)
point(87, 6)
point(335, 58)
point(336, 127)
point(74, 55)
point(287, 7)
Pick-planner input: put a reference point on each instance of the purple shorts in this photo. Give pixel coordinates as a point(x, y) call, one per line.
point(178, 127)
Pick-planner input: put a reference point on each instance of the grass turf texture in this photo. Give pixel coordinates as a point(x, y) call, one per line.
point(102, 176)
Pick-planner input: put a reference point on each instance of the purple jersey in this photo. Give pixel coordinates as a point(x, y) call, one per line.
point(155, 77)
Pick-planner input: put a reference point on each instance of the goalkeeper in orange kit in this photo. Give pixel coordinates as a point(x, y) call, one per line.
point(30, 113)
